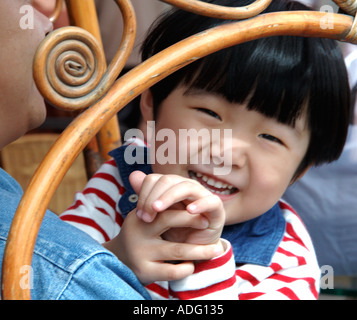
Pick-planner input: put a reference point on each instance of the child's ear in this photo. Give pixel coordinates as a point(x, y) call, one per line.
point(147, 106)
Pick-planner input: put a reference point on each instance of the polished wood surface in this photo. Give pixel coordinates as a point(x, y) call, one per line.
point(73, 140)
point(221, 12)
point(71, 70)
point(57, 11)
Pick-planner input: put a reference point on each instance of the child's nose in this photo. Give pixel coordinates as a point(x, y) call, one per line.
point(230, 152)
point(239, 153)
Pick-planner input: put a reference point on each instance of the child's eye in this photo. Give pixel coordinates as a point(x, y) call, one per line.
point(271, 138)
point(210, 113)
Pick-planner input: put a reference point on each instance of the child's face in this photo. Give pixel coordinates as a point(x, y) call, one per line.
point(21, 106)
point(264, 154)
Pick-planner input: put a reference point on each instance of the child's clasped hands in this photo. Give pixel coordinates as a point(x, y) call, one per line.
point(182, 214)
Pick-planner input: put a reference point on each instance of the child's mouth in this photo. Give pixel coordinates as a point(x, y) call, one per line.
point(217, 187)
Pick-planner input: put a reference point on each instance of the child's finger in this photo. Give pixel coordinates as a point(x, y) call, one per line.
point(211, 206)
point(181, 255)
point(143, 185)
point(171, 219)
point(162, 271)
point(153, 187)
point(136, 180)
point(185, 190)
point(171, 251)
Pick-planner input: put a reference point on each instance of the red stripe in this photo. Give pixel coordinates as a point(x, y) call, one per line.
point(187, 295)
point(158, 290)
point(80, 203)
point(286, 279)
point(214, 263)
point(102, 211)
point(87, 222)
point(311, 281)
point(283, 278)
point(297, 241)
point(289, 293)
point(102, 195)
point(250, 295)
point(301, 260)
point(76, 205)
point(118, 217)
point(111, 162)
point(110, 178)
point(285, 206)
point(276, 267)
point(290, 230)
point(247, 276)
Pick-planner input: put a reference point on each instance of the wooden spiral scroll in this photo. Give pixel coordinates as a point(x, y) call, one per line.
point(70, 67)
point(28, 217)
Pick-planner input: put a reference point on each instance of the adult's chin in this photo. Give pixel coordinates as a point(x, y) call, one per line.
point(37, 110)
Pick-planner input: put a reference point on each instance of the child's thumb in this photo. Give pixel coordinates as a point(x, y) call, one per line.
point(136, 179)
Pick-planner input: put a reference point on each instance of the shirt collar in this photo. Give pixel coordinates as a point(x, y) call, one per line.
point(254, 241)
point(124, 158)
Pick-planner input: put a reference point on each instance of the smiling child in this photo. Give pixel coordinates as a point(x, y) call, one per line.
point(285, 102)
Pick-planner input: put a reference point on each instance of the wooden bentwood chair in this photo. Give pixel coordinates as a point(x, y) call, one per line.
point(64, 80)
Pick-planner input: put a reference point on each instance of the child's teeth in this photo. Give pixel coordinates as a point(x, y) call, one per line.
point(212, 182)
point(218, 184)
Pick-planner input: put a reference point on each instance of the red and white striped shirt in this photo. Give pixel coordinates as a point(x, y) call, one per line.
point(292, 274)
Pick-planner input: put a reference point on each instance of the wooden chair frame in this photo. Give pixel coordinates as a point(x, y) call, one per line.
point(105, 96)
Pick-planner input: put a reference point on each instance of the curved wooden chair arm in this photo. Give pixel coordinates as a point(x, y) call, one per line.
point(34, 203)
point(216, 11)
point(57, 11)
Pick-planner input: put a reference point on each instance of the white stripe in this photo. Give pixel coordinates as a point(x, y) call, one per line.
point(207, 277)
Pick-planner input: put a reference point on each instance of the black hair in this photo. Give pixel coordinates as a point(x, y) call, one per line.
point(280, 76)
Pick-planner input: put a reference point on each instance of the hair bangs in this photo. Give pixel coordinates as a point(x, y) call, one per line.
point(273, 79)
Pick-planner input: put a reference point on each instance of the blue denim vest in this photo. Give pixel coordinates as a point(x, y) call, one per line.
point(67, 264)
point(254, 241)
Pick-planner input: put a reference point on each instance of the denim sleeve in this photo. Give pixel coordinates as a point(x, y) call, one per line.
point(66, 262)
point(103, 277)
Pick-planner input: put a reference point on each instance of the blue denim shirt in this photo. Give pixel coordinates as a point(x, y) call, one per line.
point(67, 263)
point(254, 241)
